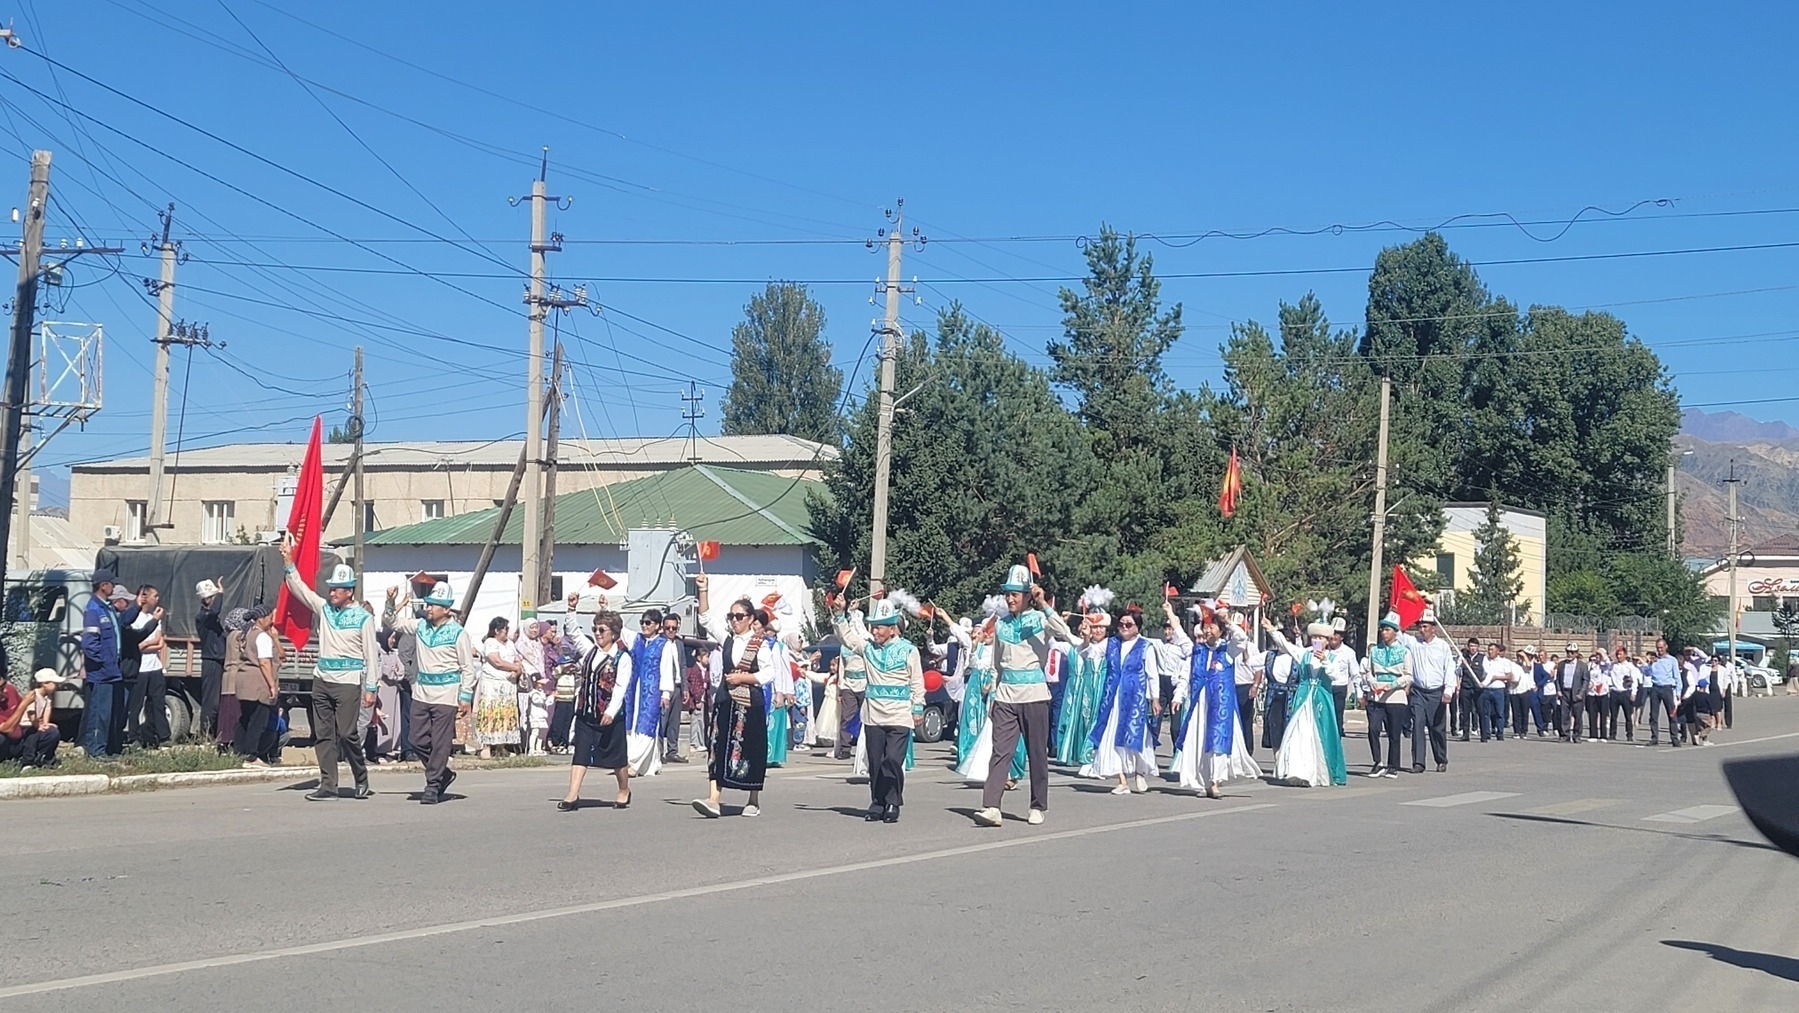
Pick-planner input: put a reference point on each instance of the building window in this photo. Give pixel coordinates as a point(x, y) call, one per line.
point(369, 522)
point(1446, 569)
point(219, 524)
point(137, 513)
point(431, 509)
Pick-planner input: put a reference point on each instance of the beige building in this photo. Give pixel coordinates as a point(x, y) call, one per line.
point(1453, 561)
point(233, 493)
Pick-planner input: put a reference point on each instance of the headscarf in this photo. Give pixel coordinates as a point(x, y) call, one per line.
point(237, 619)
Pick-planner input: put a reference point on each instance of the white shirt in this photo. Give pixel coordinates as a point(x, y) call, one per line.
point(1624, 676)
point(1340, 662)
point(152, 646)
point(265, 646)
point(1282, 670)
point(1433, 664)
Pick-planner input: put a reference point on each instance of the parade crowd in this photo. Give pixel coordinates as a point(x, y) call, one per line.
point(1092, 689)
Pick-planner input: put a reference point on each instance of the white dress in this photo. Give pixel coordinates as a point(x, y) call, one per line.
point(1195, 767)
point(1111, 759)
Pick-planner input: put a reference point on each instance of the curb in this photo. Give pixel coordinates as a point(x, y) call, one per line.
point(66, 785)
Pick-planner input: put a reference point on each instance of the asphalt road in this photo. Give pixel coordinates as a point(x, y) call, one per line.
point(1534, 874)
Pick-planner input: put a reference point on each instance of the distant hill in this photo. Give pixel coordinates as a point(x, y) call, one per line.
point(1732, 427)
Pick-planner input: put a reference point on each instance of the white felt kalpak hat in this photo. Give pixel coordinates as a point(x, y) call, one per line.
point(1018, 578)
point(882, 613)
point(441, 595)
point(342, 576)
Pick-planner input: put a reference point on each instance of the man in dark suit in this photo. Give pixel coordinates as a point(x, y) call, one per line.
point(1571, 678)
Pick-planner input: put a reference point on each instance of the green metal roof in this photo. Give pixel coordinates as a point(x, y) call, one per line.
point(730, 505)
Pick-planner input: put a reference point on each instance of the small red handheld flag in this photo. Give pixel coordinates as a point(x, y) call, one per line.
point(1406, 599)
point(1030, 562)
point(602, 580)
point(708, 551)
point(1170, 591)
point(844, 577)
point(1233, 485)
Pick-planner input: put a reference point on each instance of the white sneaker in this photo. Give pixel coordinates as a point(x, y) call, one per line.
point(988, 817)
point(1118, 790)
point(1036, 818)
point(752, 810)
point(1142, 784)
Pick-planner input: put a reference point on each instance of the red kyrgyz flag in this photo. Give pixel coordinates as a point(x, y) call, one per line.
point(1233, 486)
point(708, 551)
point(602, 580)
point(292, 617)
point(1406, 599)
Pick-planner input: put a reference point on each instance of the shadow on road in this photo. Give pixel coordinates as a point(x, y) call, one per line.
point(1710, 838)
point(842, 810)
point(1778, 966)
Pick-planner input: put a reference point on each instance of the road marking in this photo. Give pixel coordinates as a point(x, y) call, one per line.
point(1692, 814)
point(1465, 798)
point(1765, 738)
point(1336, 793)
point(1579, 805)
point(523, 917)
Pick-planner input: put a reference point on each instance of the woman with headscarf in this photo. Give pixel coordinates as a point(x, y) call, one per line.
point(496, 694)
point(1311, 751)
point(250, 660)
point(234, 621)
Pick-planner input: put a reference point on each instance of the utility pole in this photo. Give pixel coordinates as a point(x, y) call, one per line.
point(1733, 520)
point(547, 553)
point(22, 525)
point(531, 590)
point(1380, 516)
point(361, 519)
point(18, 359)
point(164, 291)
point(692, 413)
point(890, 346)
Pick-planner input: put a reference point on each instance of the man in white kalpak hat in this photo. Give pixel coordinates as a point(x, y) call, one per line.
point(346, 676)
point(1021, 697)
point(445, 686)
point(894, 703)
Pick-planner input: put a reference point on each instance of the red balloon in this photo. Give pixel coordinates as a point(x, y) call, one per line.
point(933, 681)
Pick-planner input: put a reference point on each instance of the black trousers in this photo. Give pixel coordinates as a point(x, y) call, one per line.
point(1520, 704)
point(670, 731)
point(212, 677)
point(1341, 695)
point(849, 704)
point(1598, 724)
point(1246, 714)
point(1389, 718)
point(147, 716)
point(255, 729)
point(34, 749)
point(562, 720)
point(1274, 720)
point(1728, 697)
point(1428, 717)
point(335, 708)
point(433, 733)
point(1467, 711)
point(1620, 705)
point(1010, 720)
point(1570, 710)
point(886, 763)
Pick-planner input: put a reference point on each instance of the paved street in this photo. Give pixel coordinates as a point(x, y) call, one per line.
point(1562, 877)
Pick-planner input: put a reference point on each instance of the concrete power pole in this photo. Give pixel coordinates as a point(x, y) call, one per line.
point(18, 359)
point(546, 567)
point(362, 513)
point(890, 346)
point(539, 303)
point(159, 406)
point(1733, 520)
point(1380, 517)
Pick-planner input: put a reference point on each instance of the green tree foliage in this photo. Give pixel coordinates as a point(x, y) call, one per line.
point(987, 466)
point(1584, 593)
point(1496, 580)
point(782, 380)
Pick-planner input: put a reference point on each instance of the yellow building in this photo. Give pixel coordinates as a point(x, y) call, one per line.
point(1453, 562)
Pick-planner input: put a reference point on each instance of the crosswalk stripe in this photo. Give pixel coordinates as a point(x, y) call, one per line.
point(1692, 814)
point(1569, 808)
point(1465, 798)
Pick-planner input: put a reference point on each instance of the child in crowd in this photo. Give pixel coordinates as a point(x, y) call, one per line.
point(536, 714)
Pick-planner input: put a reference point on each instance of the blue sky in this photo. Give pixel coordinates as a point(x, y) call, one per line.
point(799, 123)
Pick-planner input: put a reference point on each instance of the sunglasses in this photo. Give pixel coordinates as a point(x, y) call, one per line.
point(734, 616)
point(1126, 624)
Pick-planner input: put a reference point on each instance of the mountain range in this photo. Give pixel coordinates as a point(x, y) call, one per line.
point(1763, 456)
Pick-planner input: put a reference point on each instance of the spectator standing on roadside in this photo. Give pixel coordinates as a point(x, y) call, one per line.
point(210, 625)
point(1571, 678)
point(1467, 701)
point(250, 670)
point(1664, 688)
point(102, 691)
point(696, 679)
point(1623, 679)
point(1522, 694)
point(147, 715)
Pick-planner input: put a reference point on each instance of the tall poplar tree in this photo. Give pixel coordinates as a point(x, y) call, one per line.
point(782, 380)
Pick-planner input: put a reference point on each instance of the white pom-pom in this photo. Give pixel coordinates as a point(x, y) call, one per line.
point(905, 601)
point(1097, 597)
point(995, 607)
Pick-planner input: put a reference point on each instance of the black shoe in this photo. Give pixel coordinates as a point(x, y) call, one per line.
point(1442, 768)
point(892, 815)
point(321, 795)
point(449, 778)
point(674, 758)
point(1417, 768)
point(563, 805)
point(1464, 738)
point(626, 804)
point(429, 797)
point(874, 815)
point(362, 792)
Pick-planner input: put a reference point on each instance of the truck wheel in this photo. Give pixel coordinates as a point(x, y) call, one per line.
point(181, 719)
point(931, 729)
